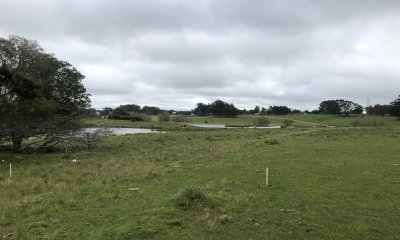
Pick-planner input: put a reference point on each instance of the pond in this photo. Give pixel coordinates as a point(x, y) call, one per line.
point(122, 131)
point(218, 126)
point(208, 125)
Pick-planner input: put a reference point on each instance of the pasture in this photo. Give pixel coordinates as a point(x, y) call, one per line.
point(324, 183)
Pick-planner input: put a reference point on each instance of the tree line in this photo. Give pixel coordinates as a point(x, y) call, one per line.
point(220, 108)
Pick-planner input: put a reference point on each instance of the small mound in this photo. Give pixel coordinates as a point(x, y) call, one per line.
point(190, 198)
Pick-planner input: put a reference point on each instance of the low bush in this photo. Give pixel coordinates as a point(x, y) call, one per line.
point(163, 117)
point(181, 118)
point(133, 118)
point(261, 121)
point(140, 118)
point(287, 122)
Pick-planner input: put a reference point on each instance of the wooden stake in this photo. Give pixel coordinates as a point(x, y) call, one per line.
point(266, 177)
point(10, 170)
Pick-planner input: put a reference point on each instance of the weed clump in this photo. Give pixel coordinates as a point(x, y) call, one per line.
point(225, 218)
point(271, 141)
point(190, 198)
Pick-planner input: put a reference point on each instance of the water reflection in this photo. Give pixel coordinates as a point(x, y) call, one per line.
point(121, 131)
point(218, 126)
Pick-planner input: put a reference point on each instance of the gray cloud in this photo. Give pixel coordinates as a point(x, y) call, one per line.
point(176, 53)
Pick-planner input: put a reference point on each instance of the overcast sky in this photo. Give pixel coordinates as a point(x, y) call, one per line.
point(176, 53)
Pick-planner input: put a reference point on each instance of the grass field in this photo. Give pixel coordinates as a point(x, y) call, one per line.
point(343, 121)
point(325, 183)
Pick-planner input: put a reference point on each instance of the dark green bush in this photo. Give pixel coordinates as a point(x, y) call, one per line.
point(133, 118)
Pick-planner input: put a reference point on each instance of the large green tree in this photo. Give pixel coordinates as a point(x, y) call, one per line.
point(222, 109)
point(39, 94)
point(340, 106)
point(279, 110)
point(202, 109)
point(329, 107)
point(395, 108)
point(217, 108)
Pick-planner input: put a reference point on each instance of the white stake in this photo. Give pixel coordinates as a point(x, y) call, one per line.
point(10, 170)
point(266, 177)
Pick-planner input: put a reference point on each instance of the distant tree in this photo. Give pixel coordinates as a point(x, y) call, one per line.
point(329, 107)
point(106, 111)
point(378, 109)
point(315, 111)
point(340, 106)
point(131, 108)
point(263, 111)
point(278, 110)
point(296, 111)
point(349, 107)
point(126, 110)
point(202, 109)
point(358, 109)
point(120, 111)
point(220, 108)
point(149, 110)
point(39, 94)
point(255, 110)
point(395, 108)
point(243, 112)
point(217, 108)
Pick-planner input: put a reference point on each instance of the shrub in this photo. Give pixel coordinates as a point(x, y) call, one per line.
point(140, 118)
point(146, 118)
point(163, 117)
point(261, 121)
point(181, 118)
point(190, 198)
point(133, 118)
point(287, 122)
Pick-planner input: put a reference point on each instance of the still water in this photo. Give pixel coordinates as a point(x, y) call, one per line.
point(122, 131)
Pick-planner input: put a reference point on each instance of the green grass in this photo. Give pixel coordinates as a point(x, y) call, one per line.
point(342, 120)
point(325, 183)
point(240, 120)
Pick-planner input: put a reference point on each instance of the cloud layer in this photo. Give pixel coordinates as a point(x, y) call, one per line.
point(175, 53)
